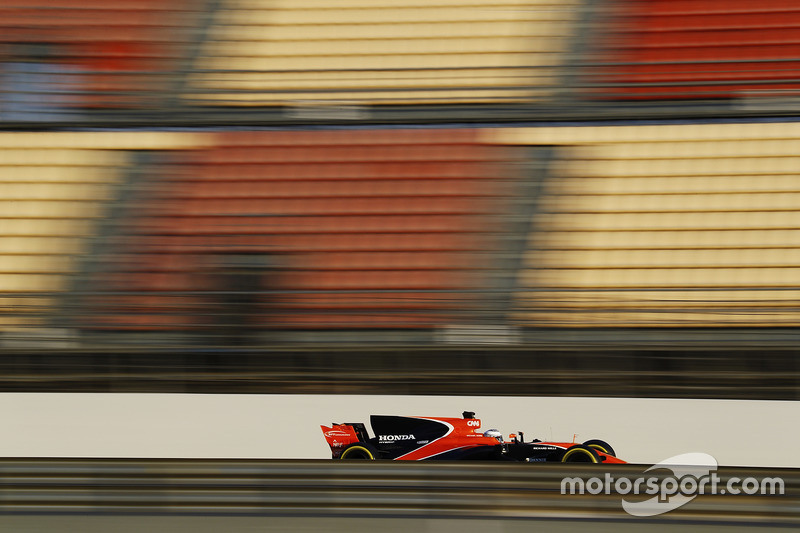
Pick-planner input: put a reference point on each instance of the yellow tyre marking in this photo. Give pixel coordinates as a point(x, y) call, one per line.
point(578, 450)
point(348, 450)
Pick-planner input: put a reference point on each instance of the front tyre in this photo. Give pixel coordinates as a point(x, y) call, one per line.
point(580, 453)
point(360, 450)
point(601, 445)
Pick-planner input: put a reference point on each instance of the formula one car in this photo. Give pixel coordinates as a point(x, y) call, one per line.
point(416, 438)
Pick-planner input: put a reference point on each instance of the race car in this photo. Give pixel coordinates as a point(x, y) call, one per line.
point(419, 438)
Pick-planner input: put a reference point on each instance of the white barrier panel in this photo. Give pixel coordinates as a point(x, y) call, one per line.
point(735, 432)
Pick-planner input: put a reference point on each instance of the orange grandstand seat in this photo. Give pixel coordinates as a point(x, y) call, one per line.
point(307, 52)
point(665, 226)
point(55, 189)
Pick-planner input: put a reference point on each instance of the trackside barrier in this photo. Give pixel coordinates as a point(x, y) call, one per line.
point(357, 488)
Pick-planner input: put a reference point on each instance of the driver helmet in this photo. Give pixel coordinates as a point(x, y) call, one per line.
point(493, 433)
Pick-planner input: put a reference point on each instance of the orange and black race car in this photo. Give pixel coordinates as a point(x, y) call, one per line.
point(418, 438)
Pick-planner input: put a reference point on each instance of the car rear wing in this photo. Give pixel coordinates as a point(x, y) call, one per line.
point(339, 436)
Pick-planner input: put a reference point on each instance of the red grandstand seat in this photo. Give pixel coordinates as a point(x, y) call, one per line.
point(122, 51)
point(679, 49)
point(375, 228)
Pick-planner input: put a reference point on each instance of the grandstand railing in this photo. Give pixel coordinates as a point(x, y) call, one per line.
point(30, 320)
point(586, 100)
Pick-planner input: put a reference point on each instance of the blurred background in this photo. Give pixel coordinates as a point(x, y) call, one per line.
point(575, 197)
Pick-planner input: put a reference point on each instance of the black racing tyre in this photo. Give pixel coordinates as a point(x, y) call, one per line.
point(360, 450)
point(601, 445)
point(580, 453)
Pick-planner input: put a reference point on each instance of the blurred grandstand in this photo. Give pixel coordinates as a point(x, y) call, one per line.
point(308, 173)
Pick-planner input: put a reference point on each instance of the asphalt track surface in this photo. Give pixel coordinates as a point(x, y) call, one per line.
point(247, 495)
point(193, 524)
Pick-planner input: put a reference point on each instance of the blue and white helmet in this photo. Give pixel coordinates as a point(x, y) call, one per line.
point(493, 433)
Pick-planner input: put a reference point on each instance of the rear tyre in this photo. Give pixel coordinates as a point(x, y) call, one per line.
point(580, 454)
point(360, 451)
point(601, 445)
